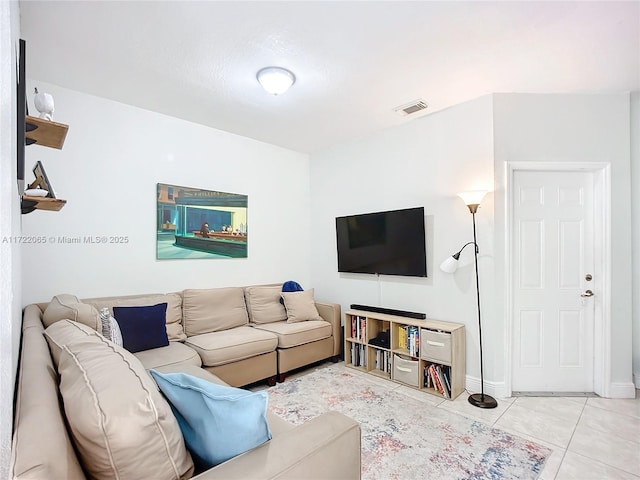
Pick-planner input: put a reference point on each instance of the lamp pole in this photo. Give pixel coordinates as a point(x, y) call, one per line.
point(479, 399)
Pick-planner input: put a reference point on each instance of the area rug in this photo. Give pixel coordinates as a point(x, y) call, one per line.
point(404, 438)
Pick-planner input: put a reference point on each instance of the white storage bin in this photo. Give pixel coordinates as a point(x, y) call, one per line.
point(406, 370)
point(435, 346)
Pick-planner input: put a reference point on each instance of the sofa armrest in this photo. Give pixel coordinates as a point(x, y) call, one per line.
point(332, 313)
point(41, 447)
point(326, 447)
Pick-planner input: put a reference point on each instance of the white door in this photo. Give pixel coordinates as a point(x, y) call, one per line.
point(553, 260)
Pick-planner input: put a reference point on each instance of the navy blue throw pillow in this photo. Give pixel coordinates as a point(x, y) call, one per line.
point(142, 328)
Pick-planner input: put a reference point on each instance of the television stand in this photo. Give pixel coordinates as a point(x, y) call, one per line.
point(428, 355)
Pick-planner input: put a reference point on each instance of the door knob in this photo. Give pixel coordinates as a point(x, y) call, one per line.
point(587, 293)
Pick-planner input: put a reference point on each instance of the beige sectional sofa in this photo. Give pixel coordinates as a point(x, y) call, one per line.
point(240, 334)
point(209, 337)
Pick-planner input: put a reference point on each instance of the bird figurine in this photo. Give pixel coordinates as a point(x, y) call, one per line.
point(44, 104)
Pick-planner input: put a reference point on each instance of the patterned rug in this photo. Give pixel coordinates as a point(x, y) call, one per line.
point(404, 438)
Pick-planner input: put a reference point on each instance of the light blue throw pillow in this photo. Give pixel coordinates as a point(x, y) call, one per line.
point(217, 422)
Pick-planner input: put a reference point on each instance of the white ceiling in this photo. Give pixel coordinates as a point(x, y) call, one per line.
point(354, 61)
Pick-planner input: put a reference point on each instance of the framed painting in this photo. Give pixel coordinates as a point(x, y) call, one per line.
point(197, 223)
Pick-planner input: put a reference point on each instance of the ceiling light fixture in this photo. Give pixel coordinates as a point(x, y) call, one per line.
point(275, 80)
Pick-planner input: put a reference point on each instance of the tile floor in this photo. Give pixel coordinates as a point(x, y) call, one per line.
point(591, 438)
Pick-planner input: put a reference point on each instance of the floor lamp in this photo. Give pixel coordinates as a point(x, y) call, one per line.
point(450, 265)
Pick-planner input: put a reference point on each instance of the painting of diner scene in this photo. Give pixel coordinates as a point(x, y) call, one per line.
point(196, 223)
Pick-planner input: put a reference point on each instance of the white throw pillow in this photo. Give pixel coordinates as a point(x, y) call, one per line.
point(110, 327)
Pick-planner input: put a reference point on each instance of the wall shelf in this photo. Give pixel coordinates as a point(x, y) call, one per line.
point(34, 130)
point(29, 204)
point(48, 134)
point(45, 132)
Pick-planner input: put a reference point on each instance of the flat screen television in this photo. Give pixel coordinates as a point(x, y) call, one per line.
point(383, 243)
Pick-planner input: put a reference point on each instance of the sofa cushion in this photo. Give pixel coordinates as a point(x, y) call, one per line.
point(218, 422)
point(142, 328)
point(121, 424)
point(213, 310)
point(41, 445)
point(175, 331)
point(63, 332)
point(298, 333)
point(300, 306)
point(219, 348)
point(65, 306)
point(263, 304)
point(176, 353)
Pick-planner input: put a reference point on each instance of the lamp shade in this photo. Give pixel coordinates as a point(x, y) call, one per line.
point(473, 197)
point(275, 80)
point(450, 265)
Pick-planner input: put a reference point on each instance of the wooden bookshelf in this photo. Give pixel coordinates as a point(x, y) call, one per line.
point(413, 346)
point(45, 132)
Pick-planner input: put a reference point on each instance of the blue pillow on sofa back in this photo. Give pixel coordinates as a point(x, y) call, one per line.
point(218, 422)
point(291, 286)
point(142, 328)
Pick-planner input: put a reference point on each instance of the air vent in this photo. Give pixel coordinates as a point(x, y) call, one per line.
point(412, 107)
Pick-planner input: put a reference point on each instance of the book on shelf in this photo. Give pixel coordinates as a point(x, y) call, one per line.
point(359, 328)
point(427, 378)
point(413, 340)
point(445, 391)
point(402, 336)
point(409, 339)
point(436, 379)
point(359, 355)
point(383, 362)
point(446, 373)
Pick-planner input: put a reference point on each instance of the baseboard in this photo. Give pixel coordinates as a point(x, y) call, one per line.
point(498, 389)
point(622, 390)
point(495, 389)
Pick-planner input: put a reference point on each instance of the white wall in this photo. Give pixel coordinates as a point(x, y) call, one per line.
point(424, 162)
point(113, 157)
point(635, 209)
point(10, 301)
point(579, 128)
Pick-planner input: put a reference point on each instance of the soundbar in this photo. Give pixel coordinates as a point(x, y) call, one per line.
point(389, 311)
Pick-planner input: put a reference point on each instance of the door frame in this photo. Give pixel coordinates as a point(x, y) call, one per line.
point(602, 264)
